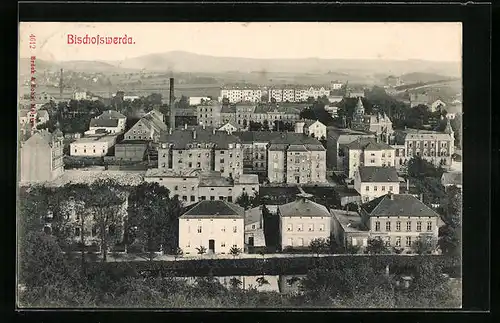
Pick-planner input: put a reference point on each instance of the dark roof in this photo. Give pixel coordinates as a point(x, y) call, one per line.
point(368, 144)
point(228, 108)
point(452, 178)
point(215, 209)
point(398, 205)
point(282, 108)
point(303, 207)
point(97, 122)
point(377, 174)
point(181, 138)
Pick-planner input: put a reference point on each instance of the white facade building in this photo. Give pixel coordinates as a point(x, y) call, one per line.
point(97, 146)
point(373, 181)
point(216, 226)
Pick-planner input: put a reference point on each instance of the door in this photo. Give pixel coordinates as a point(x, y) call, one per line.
point(211, 246)
point(250, 241)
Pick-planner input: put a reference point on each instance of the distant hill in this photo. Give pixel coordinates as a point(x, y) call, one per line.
point(179, 61)
point(75, 66)
point(419, 77)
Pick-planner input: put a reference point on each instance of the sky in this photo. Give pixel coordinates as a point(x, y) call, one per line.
point(341, 40)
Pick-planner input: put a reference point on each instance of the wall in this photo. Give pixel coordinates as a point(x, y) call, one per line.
point(93, 149)
point(36, 162)
point(220, 230)
point(276, 166)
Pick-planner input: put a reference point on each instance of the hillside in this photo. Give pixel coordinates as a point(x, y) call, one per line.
point(75, 66)
point(419, 77)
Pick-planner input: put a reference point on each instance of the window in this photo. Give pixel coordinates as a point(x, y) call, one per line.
point(212, 198)
point(199, 229)
point(203, 198)
point(398, 226)
point(235, 229)
point(388, 226)
point(398, 241)
point(354, 242)
point(184, 198)
point(383, 188)
point(390, 188)
point(377, 226)
point(290, 242)
point(429, 226)
point(289, 227)
point(372, 161)
point(321, 227)
point(408, 226)
point(223, 244)
point(77, 232)
point(230, 199)
point(176, 188)
point(222, 160)
point(253, 226)
point(367, 188)
point(408, 241)
point(223, 229)
point(387, 241)
point(311, 227)
point(299, 227)
point(375, 188)
point(419, 226)
point(188, 245)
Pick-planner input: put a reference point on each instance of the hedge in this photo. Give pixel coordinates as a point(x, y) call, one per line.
point(277, 266)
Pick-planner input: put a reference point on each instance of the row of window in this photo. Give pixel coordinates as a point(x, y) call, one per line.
point(443, 144)
point(375, 188)
point(85, 151)
point(300, 227)
point(223, 229)
point(398, 226)
point(387, 240)
point(222, 244)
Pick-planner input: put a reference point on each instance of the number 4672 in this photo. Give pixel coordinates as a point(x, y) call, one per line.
point(32, 42)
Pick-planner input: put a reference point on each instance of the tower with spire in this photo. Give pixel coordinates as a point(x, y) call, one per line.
point(358, 115)
point(449, 130)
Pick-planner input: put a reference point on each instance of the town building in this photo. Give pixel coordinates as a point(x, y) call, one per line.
point(209, 114)
point(148, 128)
point(204, 149)
point(315, 129)
point(80, 95)
point(109, 121)
point(379, 123)
point(437, 105)
point(216, 226)
point(372, 182)
point(336, 85)
point(241, 94)
point(41, 157)
point(332, 110)
point(296, 159)
point(336, 141)
point(131, 150)
point(302, 221)
point(194, 185)
point(296, 93)
point(449, 179)
point(228, 127)
point(92, 146)
point(276, 112)
point(435, 147)
point(453, 111)
point(397, 219)
point(254, 144)
point(254, 228)
point(366, 152)
point(196, 100)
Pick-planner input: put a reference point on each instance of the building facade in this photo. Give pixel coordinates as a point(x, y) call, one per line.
point(367, 152)
point(216, 226)
point(148, 128)
point(94, 146)
point(302, 221)
point(372, 182)
point(109, 121)
point(378, 124)
point(202, 149)
point(41, 157)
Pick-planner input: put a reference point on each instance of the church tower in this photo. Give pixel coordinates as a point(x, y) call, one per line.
point(358, 116)
point(449, 130)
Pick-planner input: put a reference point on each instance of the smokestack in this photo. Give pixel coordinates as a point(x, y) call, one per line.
point(61, 85)
point(171, 104)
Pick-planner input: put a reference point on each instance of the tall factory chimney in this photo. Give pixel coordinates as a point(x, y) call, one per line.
point(61, 86)
point(171, 104)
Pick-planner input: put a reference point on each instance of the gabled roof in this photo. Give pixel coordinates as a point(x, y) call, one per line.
point(377, 174)
point(215, 209)
point(308, 123)
point(42, 137)
point(112, 114)
point(223, 127)
point(398, 205)
point(367, 144)
point(303, 207)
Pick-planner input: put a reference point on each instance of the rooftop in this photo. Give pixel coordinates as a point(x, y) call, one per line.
point(349, 220)
point(156, 172)
point(303, 207)
point(90, 139)
point(247, 179)
point(214, 209)
point(181, 138)
point(214, 179)
point(398, 205)
point(367, 144)
point(253, 215)
point(377, 174)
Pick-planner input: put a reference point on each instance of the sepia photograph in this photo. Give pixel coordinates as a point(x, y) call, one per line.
point(239, 165)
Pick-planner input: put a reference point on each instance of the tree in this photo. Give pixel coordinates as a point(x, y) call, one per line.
point(351, 249)
point(148, 203)
point(318, 245)
point(244, 200)
point(265, 125)
point(271, 226)
point(235, 252)
point(201, 250)
point(178, 253)
point(105, 203)
point(235, 283)
point(261, 281)
point(450, 235)
point(245, 123)
point(424, 245)
point(420, 168)
point(376, 246)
